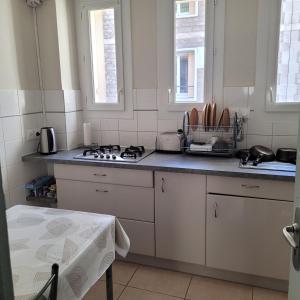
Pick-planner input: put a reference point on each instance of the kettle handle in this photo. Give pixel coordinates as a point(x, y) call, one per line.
point(50, 140)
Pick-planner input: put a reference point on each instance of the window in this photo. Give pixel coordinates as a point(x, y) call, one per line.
point(101, 44)
point(284, 62)
point(190, 41)
point(288, 72)
point(186, 9)
point(104, 61)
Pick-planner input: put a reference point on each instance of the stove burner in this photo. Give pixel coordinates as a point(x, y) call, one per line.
point(91, 151)
point(109, 148)
point(132, 152)
point(102, 149)
point(128, 154)
point(135, 149)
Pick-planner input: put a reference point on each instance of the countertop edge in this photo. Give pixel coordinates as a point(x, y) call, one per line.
point(227, 173)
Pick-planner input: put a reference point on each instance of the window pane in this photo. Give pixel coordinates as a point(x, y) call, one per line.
point(190, 49)
point(104, 61)
point(288, 73)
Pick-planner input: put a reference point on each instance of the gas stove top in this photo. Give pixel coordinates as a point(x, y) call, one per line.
point(114, 153)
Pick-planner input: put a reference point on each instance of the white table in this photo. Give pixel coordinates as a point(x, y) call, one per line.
point(82, 244)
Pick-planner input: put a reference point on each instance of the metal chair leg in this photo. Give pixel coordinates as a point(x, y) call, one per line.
point(54, 284)
point(109, 284)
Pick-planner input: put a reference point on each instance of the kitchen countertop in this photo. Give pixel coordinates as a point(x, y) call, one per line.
point(171, 163)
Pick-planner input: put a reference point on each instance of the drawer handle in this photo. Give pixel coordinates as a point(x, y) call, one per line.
point(163, 185)
point(247, 186)
point(102, 191)
point(216, 210)
point(100, 175)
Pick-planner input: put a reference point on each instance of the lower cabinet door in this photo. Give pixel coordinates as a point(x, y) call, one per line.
point(245, 235)
point(180, 217)
point(141, 235)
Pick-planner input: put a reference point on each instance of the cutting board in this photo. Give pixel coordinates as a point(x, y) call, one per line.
point(194, 119)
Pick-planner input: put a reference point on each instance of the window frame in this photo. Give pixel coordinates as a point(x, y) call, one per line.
point(85, 48)
point(273, 28)
point(209, 53)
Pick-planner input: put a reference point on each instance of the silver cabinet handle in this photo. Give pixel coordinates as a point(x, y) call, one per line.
point(99, 175)
point(216, 210)
point(102, 191)
point(289, 232)
point(163, 185)
point(247, 186)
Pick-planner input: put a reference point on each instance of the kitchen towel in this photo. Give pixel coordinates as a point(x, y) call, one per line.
point(87, 134)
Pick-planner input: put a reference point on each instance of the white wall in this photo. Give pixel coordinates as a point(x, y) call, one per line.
point(21, 95)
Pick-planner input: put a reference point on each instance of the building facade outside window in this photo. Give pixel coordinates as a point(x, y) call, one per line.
point(190, 50)
point(288, 71)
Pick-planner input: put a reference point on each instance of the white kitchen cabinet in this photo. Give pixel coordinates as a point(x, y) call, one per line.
point(245, 235)
point(127, 202)
point(180, 217)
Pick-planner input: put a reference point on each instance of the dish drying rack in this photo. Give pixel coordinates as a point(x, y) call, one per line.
point(213, 140)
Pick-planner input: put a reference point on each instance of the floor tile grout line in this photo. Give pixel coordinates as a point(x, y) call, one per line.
point(132, 275)
point(155, 292)
point(185, 296)
point(121, 293)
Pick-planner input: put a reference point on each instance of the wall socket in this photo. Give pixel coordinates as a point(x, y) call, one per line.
point(31, 134)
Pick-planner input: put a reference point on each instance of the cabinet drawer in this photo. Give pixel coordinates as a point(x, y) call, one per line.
point(268, 189)
point(104, 175)
point(122, 201)
point(245, 235)
point(141, 235)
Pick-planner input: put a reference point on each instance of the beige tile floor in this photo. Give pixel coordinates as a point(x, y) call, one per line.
point(137, 282)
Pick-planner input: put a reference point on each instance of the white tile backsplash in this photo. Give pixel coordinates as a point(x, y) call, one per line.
point(31, 122)
point(259, 127)
point(128, 138)
point(2, 155)
point(61, 140)
point(147, 139)
point(110, 137)
point(9, 103)
point(167, 125)
point(73, 121)
point(30, 101)
point(147, 121)
point(73, 140)
point(57, 121)
point(12, 128)
point(280, 141)
point(4, 179)
point(109, 124)
point(264, 140)
point(13, 151)
point(96, 137)
point(285, 128)
point(129, 125)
